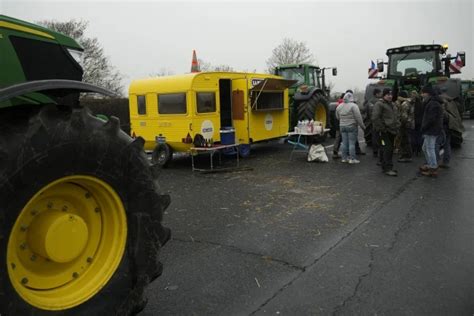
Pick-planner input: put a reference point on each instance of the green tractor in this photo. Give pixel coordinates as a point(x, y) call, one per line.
point(80, 224)
point(309, 96)
point(412, 67)
point(467, 87)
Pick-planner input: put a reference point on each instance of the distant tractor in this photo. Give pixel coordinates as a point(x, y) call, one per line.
point(309, 96)
point(467, 87)
point(412, 67)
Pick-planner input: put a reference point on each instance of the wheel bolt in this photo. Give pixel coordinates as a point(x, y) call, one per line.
point(33, 213)
point(97, 209)
point(75, 275)
point(23, 228)
point(50, 204)
point(33, 258)
point(24, 281)
point(87, 195)
point(89, 259)
point(23, 246)
point(13, 266)
point(64, 209)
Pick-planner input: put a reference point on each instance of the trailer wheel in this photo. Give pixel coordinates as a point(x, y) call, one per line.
point(162, 155)
point(80, 227)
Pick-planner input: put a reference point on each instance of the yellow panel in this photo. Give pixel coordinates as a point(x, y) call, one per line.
point(25, 29)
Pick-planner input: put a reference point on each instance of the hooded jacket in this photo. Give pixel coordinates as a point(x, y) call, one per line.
point(348, 112)
point(432, 123)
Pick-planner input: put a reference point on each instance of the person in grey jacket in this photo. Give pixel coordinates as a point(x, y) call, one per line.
point(386, 123)
point(349, 117)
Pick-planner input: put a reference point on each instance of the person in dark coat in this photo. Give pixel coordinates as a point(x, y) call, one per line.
point(377, 95)
point(416, 137)
point(431, 129)
point(406, 112)
point(386, 123)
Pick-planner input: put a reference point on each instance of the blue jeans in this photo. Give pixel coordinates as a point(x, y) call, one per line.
point(429, 149)
point(349, 138)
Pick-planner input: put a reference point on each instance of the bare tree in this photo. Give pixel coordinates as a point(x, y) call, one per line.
point(96, 65)
point(162, 73)
point(204, 65)
point(223, 68)
point(207, 66)
point(289, 52)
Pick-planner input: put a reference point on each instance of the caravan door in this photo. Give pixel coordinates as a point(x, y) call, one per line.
point(240, 110)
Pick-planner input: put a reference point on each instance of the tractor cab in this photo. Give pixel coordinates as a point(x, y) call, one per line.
point(414, 65)
point(304, 74)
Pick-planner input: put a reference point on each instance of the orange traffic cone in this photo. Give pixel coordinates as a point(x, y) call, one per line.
point(194, 63)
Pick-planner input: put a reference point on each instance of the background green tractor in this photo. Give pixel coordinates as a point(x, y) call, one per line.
point(309, 96)
point(467, 87)
point(412, 67)
point(80, 218)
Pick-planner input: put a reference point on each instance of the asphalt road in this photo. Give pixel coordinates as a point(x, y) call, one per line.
point(300, 238)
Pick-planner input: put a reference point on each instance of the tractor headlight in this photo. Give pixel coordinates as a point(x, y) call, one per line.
point(77, 55)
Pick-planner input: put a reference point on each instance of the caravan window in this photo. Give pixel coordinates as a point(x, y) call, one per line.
point(267, 101)
point(206, 102)
point(173, 103)
point(141, 103)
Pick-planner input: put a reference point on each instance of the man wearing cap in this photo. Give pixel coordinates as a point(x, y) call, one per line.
point(386, 123)
point(431, 128)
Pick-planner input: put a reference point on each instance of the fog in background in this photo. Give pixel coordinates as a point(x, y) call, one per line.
point(142, 38)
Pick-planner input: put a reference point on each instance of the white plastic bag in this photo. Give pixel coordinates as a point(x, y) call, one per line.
point(317, 153)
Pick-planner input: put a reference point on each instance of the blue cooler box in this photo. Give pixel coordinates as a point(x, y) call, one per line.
point(227, 136)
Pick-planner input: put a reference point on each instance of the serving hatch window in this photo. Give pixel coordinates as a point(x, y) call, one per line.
point(206, 102)
point(267, 100)
point(172, 103)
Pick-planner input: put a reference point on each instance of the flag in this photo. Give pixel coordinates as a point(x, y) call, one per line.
point(455, 68)
point(373, 71)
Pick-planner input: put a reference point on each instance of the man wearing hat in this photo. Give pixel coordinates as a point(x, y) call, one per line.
point(386, 123)
point(431, 129)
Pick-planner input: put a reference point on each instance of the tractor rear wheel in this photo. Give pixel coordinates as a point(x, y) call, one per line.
point(80, 226)
point(315, 108)
point(456, 138)
point(368, 131)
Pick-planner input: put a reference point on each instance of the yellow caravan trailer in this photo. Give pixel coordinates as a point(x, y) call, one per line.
point(169, 112)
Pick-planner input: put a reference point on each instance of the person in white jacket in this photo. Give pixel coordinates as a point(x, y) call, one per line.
point(349, 117)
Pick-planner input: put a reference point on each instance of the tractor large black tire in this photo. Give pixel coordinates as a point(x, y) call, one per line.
point(456, 138)
point(315, 108)
point(41, 144)
point(368, 131)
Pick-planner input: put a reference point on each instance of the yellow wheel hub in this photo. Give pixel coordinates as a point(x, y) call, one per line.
point(58, 236)
point(67, 242)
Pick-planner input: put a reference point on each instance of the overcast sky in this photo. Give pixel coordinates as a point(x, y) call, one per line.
point(142, 38)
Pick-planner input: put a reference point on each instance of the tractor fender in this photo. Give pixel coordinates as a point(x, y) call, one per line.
point(54, 87)
point(300, 96)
